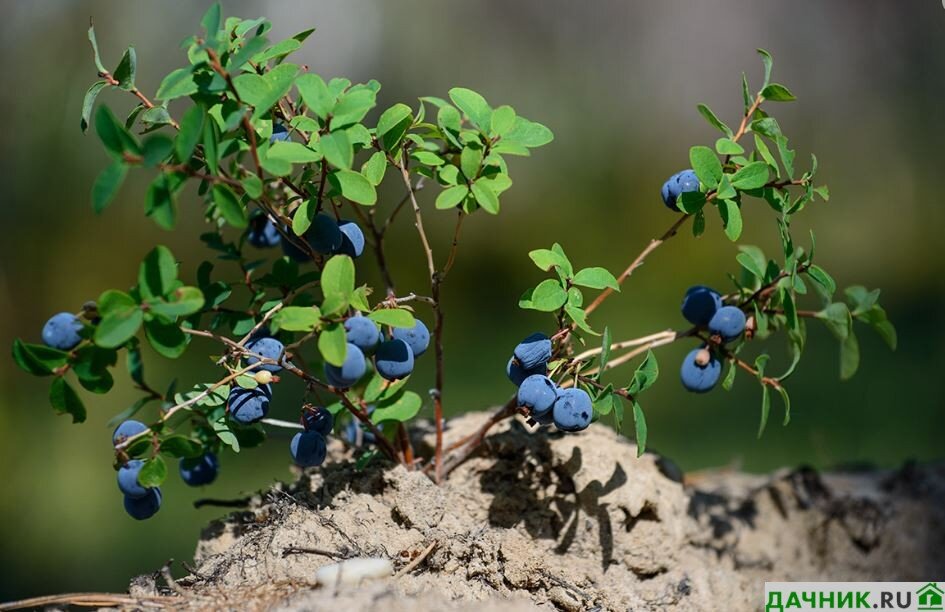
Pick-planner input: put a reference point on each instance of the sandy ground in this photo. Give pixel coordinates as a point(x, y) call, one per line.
point(553, 521)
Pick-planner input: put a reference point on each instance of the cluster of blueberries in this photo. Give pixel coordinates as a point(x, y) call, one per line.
point(569, 409)
point(326, 236)
point(143, 502)
point(703, 308)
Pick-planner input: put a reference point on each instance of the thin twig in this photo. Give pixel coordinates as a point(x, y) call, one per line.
point(420, 558)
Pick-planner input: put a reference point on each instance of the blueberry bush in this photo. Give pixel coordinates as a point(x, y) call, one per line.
point(286, 167)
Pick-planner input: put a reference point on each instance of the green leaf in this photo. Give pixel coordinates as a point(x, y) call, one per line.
point(295, 152)
point(596, 278)
point(451, 197)
point(159, 202)
point(503, 119)
point(229, 206)
point(212, 20)
point(153, 473)
point(337, 149)
point(297, 318)
point(876, 318)
point(121, 319)
point(156, 149)
point(353, 105)
point(606, 341)
point(112, 134)
point(691, 202)
point(729, 377)
point(714, 121)
point(95, 53)
point(546, 259)
point(225, 434)
point(332, 344)
point(316, 94)
point(89, 102)
point(731, 218)
point(767, 61)
point(698, 223)
point(181, 446)
point(787, 404)
point(838, 320)
point(548, 296)
point(706, 165)
point(726, 146)
point(338, 276)
point(645, 375)
point(474, 106)
point(527, 133)
point(776, 92)
point(263, 92)
point(579, 316)
point(182, 302)
point(393, 124)
point(65, 400)
point(157, 273)
point(107, 184)
point(38, 359)
point(393, 317)
point(402, 408)
point(849, 357)
point(125, 72)
point(485, 196)
point(354, 186)
point(166, 338)
point(765, 409)
point(822, 280)
point(639, 422)
point(374, 168)
point(177, 84)
point(751, 176)
point(752, 259)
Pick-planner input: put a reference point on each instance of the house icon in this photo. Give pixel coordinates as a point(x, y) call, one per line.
point(930, 597)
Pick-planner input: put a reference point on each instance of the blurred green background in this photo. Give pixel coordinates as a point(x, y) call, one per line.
point(618, 82)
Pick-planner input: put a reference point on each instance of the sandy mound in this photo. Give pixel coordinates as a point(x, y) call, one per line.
point(571, 522)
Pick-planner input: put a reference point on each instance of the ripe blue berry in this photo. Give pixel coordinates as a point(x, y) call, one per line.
point(247, 406)
point(308, 448)
point(317, 418)
point(263, 233)
point(538, 393)
point(393, 359)
point(61, 331)
point(324, 235)
point(573, 410)
point(700, 370)
point(279, 133)
point(728, 322)
point(352, 239)
point(533, 351)
point(362, 332)
point(145, 507)
point(418, 337)
point(700, 304)
point(199, 471)
point(127, 429)
point(517, 374)
point(350, 372)
point(270, 348)
point(128, 479)
point(681, 182)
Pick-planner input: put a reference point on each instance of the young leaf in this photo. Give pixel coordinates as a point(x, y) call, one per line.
point(547, 259)
point(177, 84)
point(451, 197)
point(639, 422)
point(752, 176)
point(338, 276)
point(485, 196)
point(393, 317)
point(548, 296)
point(354, 186)
point(777, 93)
point(731, 219)
point(127, 67)
point(401, 408)
point(474, 106)
point(393, 124)
point(706, 165)
point(765, 409)
point(337, 149)
point(596, 278)
point(714, 121)
point(332, 344)
point(297, 318)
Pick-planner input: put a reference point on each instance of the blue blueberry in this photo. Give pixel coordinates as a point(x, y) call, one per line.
point(141, 508)
point(517, 374)
point(248, 406)
point(263, 233)
point(317, 418)
point(394, 359)
point(350, 372)
point(324, 234)
point(362, 332)
point(126, 430)
point(61, 331)
point(573, 410)
point(308, 448)
point(279, 133)
point(418, 337)
point(700, 370)
point(681, 182)
point(352, 239)
point(728, 322)
point(270, 348)
point(199, 471)
point(538, 393)
point(128, 479)
point(700, 304)
point(533, 351)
